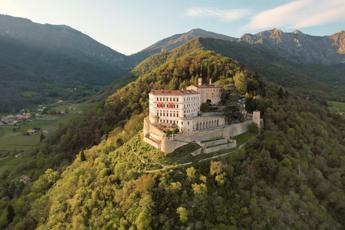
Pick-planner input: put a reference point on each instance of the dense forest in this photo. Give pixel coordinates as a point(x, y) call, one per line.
point(290, 176)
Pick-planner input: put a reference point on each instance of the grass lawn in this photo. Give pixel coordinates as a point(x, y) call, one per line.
point(243, 138)
point(182, 154)
point(11, 162)
point(12, 138)
point(338, 107)
point(15, 140)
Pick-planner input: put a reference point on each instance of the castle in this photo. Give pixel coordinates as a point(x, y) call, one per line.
point(175, 118)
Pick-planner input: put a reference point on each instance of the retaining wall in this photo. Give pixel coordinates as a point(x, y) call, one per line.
point(220, 147)
point(215, 142)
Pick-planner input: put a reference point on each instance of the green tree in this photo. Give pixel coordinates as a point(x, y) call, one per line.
point(191, 173)
point(183, 214)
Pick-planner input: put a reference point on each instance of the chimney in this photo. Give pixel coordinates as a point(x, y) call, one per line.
point(210, 81)
point(199, 81)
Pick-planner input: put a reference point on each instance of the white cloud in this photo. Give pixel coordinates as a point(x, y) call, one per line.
point(224, 15)
point(300, 14)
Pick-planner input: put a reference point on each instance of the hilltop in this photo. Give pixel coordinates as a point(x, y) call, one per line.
point(288, 176)
point(174, 41)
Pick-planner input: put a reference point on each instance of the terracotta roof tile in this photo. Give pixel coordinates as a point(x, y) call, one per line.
point(173, 92)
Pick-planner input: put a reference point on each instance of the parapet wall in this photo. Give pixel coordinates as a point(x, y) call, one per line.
point(156, 137)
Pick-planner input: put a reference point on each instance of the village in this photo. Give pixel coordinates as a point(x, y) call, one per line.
point(22, 132)
point(24, 116)
point(176, 119)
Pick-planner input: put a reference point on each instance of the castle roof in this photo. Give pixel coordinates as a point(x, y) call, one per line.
point(173, 92)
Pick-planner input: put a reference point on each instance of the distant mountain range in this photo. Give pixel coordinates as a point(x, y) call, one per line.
point(306, 63)
point(297, 46)
point(300, 47)
point(42, 62)
point(175, 41)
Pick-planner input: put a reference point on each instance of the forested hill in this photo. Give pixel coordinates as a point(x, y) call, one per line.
point(43, 63)
point(323, 81)
point(290, 176)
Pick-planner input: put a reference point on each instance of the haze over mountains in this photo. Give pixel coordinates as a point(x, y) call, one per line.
point(42, 62)
point(57, 38)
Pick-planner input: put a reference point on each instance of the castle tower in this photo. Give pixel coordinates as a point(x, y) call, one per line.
point(199, 81)
point(257, 118)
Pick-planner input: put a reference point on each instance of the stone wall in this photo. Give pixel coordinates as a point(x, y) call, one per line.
point(158, 138)
point(200, 135)
point(220, 147)
point(257, 118)
point(152, 142)
point(236, 129)
point(168, 145)
point(152, 131)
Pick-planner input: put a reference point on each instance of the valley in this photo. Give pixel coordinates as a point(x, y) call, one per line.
point(20, 139)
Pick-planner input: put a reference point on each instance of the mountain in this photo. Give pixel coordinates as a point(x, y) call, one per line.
point(288, 176)
point(339, 41)
point(61, 38)
point(41, 63)
point(326, 81)
point(300, 47)
point(175, 41)
point(296, 46)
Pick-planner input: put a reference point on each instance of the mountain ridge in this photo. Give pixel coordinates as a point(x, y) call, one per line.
point(42, 63)
point(58, 37)
point(174, 41)
point(304, 48)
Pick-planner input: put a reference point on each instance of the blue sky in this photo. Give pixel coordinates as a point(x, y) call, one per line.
point(131, 25)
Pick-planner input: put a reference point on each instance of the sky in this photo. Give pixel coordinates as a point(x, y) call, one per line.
point(129, 26)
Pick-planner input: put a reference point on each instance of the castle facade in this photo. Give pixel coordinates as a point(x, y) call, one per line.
point(175, 118)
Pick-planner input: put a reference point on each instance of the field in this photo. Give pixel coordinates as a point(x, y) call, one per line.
point(337, 107)
point(13, 138)
point(16, 145)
